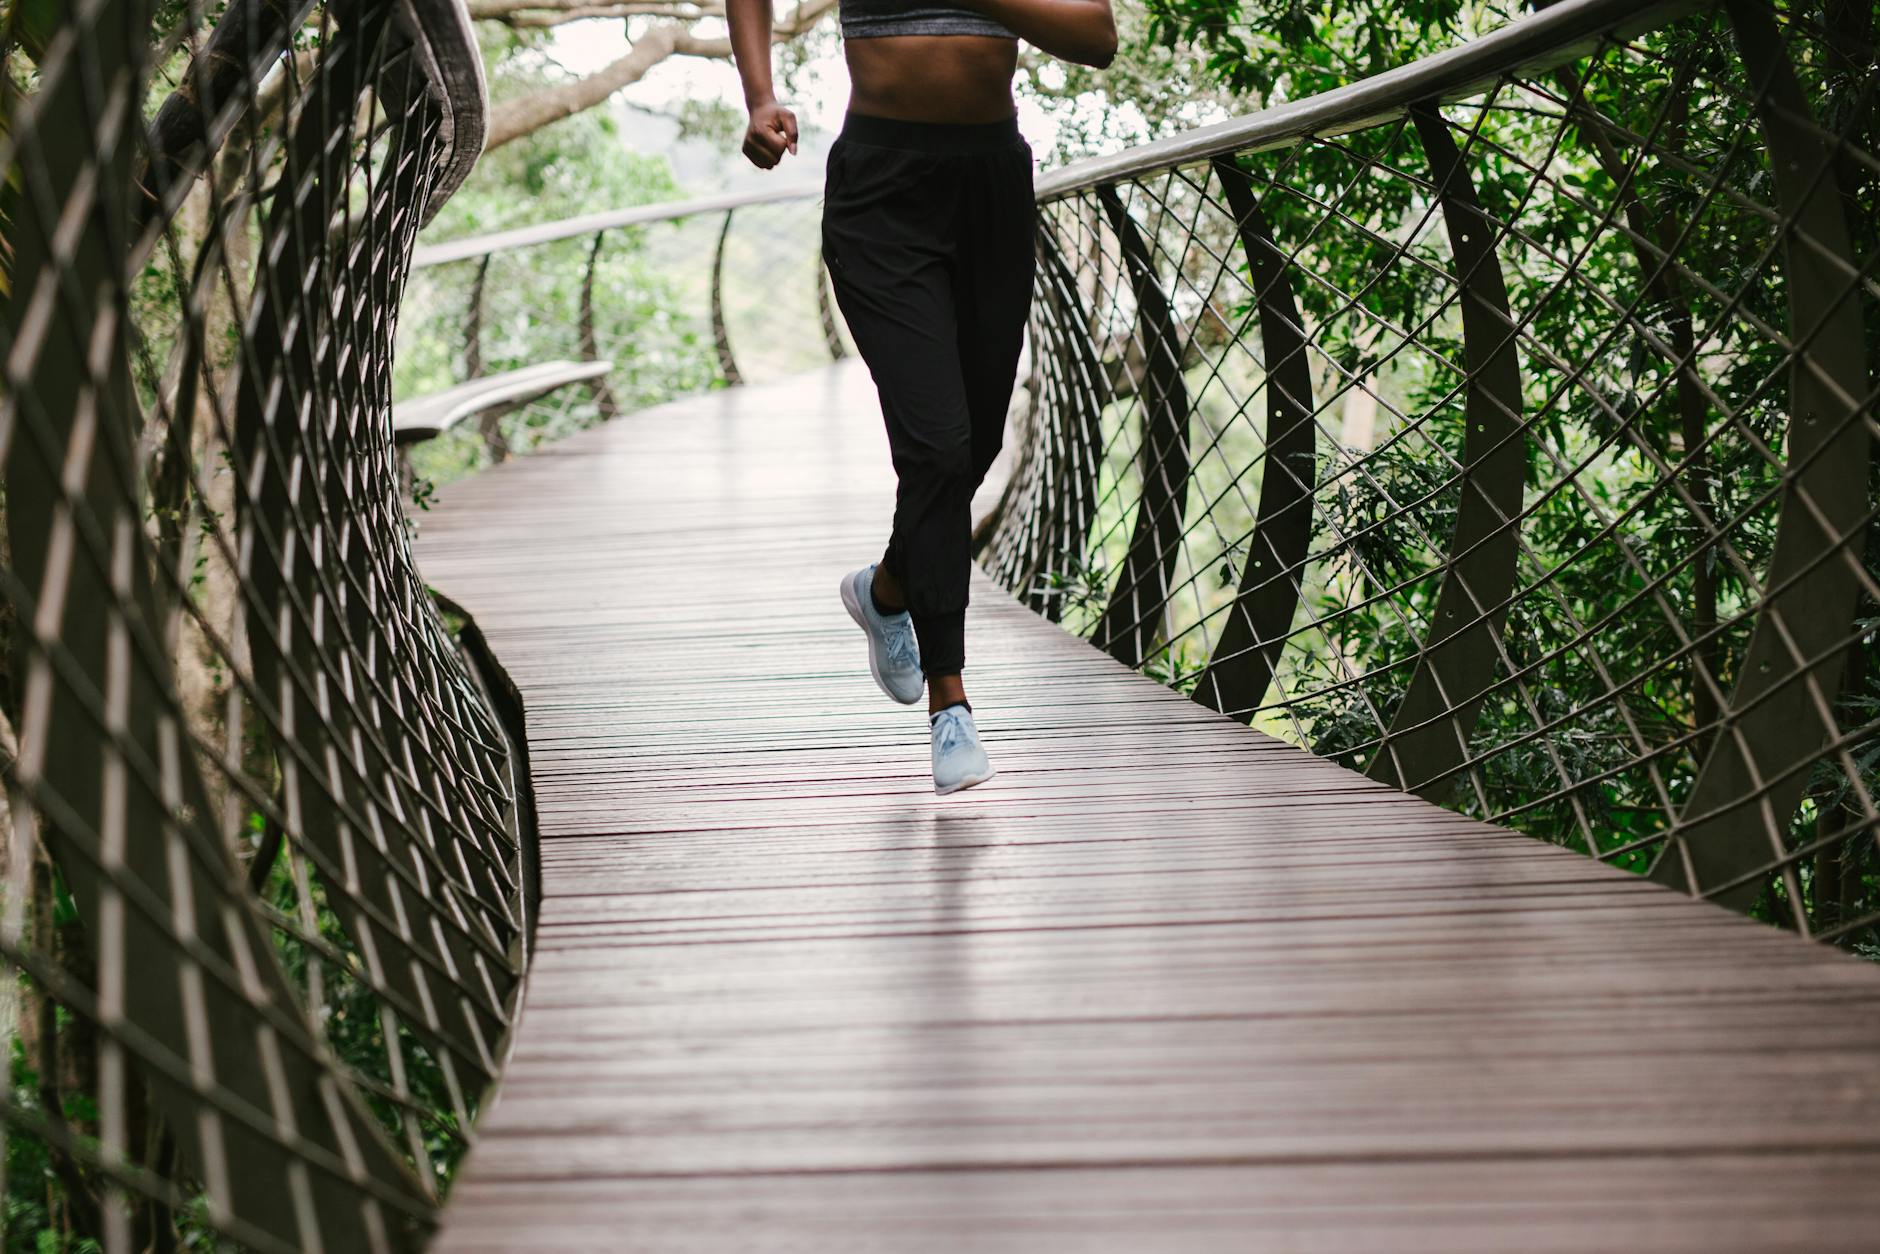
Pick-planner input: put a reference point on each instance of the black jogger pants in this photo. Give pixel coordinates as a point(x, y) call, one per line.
point(927, 231)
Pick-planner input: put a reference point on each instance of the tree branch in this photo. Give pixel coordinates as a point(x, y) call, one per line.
point(541, 14)
point(517, 118)
point(220, 78)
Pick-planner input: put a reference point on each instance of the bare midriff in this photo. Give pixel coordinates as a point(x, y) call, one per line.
point(932, 78)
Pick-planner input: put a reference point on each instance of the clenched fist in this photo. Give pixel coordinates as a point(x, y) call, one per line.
point(772, 133)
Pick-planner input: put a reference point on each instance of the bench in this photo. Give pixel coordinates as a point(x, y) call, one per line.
point(428, 417)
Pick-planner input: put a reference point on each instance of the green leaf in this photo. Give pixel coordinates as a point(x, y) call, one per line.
point(30, 24)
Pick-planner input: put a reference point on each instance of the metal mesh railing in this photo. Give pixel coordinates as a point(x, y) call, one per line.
point(1501, 426)
point(677, 297)
point(263, 921)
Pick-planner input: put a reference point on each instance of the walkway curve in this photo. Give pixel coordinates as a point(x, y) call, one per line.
point(1165, 985)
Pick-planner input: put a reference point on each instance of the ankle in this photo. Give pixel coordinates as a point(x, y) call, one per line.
point(946, 690)
point(888, 603)
point(882, 607)
point(936, 711)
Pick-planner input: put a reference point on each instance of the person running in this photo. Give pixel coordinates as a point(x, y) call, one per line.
point(927, 231)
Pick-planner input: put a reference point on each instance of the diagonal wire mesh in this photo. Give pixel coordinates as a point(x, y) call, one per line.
point(265, 905)
point(1502, 427)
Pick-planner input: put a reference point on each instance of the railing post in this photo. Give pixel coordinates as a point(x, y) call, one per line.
point(1132, 620)
point(489, 426)
point(1243, 660)
point(602, 391)
point(473, 323)
point(1429, 735)
point(721, 336)
point(1780, 714)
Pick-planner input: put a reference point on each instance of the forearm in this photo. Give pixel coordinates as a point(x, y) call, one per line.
point(750, 22)
point(771, 134)
point(1083, 31)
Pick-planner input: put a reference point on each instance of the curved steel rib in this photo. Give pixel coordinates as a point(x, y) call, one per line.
point(1779, 716)
point(1131, 624)
point(721, 336)
point(1429, 735)
point(1247, 653)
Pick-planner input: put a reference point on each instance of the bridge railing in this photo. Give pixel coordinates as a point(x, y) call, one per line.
point(678, 296)
point(265, 905)
point(1501, 426)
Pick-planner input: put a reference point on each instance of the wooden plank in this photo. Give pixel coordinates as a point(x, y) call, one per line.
point(1165, 984)
point(1413, 1207)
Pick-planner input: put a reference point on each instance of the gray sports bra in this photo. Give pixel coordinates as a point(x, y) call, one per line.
point(865, 19)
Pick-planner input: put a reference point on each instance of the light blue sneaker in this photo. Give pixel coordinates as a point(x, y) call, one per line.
point(959, 760)
point(893, 654)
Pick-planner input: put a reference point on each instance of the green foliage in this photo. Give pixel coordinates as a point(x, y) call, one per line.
point(1077, 593)
point(1183, 63)
point(712, 120)
point(1177, 666)
point(1275, 50)
point(1151, 88)
point(1600, 716)
point(319, 956)
point(31, 1188)
point(28, 24)
point(25, 25)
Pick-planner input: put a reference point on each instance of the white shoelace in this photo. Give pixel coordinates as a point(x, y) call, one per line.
point(950, 730)
point(899, 634)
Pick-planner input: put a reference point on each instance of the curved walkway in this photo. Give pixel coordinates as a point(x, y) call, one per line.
point(1164, 985)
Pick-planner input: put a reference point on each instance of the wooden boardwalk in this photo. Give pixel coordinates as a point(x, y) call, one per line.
point(1164, 985)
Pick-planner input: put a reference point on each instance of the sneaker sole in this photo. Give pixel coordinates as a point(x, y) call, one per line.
point(854, 608)
point(964, 784)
